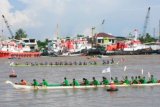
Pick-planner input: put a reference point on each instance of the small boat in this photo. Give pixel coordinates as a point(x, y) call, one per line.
point(110, 89)
point(17, 86)
point(12, 75)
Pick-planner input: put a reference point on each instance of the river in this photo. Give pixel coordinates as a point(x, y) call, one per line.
point(125, 97)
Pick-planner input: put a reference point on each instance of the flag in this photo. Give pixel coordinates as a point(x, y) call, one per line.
point(125, 68)
point(103, 21)
point(12, 63)
point(149, 75)
point(106, 70)
point(142, 71)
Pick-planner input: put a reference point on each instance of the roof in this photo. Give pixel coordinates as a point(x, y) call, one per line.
point(105, 35)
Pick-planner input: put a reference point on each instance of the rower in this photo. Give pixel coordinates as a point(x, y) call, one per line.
point(135, 81)
point(144, 80)
point(75, 82)
point(126, 81)
point(112, 85)
point(80, 63)
point(66, 63)
point(140, 80)
point(35, 82)
point(105, 81)
point(104, 62)
point(116, 80)
point(51, 63)
point(23, 82)
point(66, 82)
point(112, 61)
point(94, 63)
point(84, 63)
point(75, 63)
point(107, 61)
point(95, 82)
point(60, 63)
point(44, 83)
point(85, 82)
point(152, 80)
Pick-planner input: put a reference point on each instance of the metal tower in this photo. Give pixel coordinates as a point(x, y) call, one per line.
point(146, 22)
point(8, 27)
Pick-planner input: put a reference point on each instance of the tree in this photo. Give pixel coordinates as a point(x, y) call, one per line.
point(147, 38)
point(20, 34)
point(42, 44)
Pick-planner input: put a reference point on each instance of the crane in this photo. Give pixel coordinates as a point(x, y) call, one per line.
point(8, 27)
point(146, 22)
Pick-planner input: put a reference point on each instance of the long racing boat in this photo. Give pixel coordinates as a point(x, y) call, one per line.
point(17, 86)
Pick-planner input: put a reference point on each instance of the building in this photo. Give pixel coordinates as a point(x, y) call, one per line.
point(31, 43)
point(105, 39)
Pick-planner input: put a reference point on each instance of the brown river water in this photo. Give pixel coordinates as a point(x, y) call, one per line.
point(125, 97)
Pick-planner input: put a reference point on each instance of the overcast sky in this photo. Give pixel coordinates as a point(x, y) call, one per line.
point(39, 18)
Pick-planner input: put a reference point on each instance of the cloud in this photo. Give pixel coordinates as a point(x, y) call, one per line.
point(39, 17)
point(16, 18)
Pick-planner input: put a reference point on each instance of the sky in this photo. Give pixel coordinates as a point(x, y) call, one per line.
point(39, 18)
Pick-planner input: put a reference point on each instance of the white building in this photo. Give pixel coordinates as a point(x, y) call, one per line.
point(31, 43)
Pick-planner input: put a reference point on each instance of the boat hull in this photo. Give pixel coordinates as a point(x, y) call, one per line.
point(112, 89)
point(7, 54)
point(12, 76)
point(16, 86)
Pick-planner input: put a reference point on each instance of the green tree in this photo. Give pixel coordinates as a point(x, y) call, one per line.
point(147, 38)
point(42, 44)
point(20, 34)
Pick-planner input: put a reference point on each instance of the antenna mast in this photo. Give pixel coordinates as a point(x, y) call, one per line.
point(159, 30)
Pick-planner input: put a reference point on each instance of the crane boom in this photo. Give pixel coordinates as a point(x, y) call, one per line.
point(146, 22)
point(8, 27)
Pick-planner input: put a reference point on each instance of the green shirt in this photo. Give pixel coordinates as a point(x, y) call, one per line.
point(76, 83)
point(153, 80)
point(116, 81)
point(96, 82)
point(126, 81)
point(86, 82)
point(66, 83)
point(105, 82)
point(144, 81)
point(45, 83)
point(135, 81)
point(35, 83)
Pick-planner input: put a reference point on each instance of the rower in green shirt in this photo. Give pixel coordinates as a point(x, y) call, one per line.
point(152, 79)
point(144, 80)
point(95, 82)
point(116, 80)
point(135, 81)
point(105, 81)
point(66, 82)
point(44, 83)
point(75, 83)
point(85, 82)
point(35, 82)
point(126, 81)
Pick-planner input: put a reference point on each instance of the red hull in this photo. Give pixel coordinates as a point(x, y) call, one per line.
point(6, 54)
